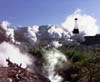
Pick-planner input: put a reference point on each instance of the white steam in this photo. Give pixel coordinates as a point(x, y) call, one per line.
point(55, 59)
point(56, 44)
point(14, 54)
point(86, 23)
point(58, 33)
point(55, 32)
point(4, 25)
point(32, 34)
point(9, 32)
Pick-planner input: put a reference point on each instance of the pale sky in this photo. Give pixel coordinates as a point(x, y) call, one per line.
point(43, 12)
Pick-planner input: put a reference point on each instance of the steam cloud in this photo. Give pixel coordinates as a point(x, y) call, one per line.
point(58, 33)
point(8, 50)
point(32, 34)
point(9, 32)
point(54, 58)
point(86, 23)
point(56, 44)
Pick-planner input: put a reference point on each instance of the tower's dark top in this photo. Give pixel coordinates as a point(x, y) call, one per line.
point(76, 18)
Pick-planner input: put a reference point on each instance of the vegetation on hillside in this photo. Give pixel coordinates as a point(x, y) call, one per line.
point(83, 66)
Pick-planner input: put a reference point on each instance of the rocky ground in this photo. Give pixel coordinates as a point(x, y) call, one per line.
point(15, 73)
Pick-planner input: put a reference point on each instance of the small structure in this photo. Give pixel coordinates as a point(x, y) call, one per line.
point(92, 40)
point(76, 30)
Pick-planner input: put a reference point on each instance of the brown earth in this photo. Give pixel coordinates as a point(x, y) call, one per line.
point(15, 73)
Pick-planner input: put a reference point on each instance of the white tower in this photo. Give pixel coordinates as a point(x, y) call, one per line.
point(76, 30)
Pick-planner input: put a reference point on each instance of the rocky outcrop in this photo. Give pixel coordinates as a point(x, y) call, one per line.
point(15, 73)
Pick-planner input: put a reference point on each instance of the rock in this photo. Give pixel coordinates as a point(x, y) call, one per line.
point(15, 73)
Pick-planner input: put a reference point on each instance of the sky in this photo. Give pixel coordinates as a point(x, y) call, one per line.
point(43, 12)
